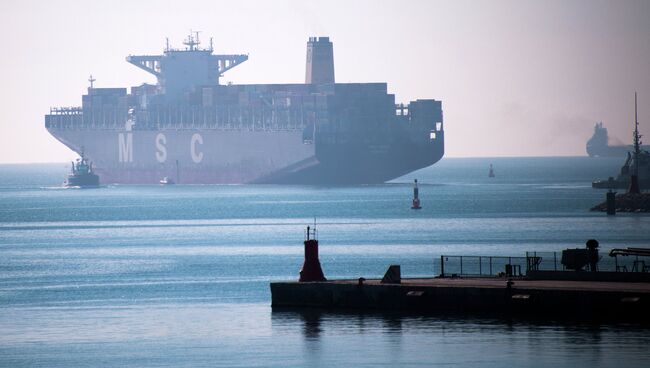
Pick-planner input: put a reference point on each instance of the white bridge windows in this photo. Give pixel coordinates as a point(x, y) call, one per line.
point(432, 134)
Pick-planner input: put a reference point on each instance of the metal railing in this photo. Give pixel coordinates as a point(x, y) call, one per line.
point(545, 261)
point(260, 118)
point(482, 266)
point(552, 261)
point(486, 266)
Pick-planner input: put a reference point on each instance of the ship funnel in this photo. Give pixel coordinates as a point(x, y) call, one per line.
point(320, 61)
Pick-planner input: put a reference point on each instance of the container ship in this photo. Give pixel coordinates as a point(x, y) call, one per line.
point(194, 130)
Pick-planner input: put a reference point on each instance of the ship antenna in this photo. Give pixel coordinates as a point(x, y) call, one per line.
point(637, 136)
point(91, 80)
point(637, 139)
point(191, 42)
point(634, 178)
point(166, 44)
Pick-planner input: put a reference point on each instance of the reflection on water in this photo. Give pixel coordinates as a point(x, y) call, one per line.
point(207, 335)
point(336, 337)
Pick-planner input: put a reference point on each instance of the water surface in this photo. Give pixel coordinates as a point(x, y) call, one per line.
point(139, 276)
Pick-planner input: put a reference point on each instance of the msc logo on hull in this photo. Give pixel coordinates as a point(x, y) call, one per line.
point(161, 149)
point(125, 147)
point(125, 143)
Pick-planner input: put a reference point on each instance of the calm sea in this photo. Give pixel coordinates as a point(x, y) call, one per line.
point(177, 276)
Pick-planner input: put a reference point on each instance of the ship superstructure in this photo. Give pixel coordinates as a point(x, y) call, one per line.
point(319, 132)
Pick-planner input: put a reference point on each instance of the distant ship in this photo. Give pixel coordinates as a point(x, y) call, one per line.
point(598, 146)
point(319, 132)
point(637, 163)
point(82, 174)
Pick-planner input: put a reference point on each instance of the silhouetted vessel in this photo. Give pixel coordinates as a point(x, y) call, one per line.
point(319, 132)
point(635, 173)
point(598, 146)
point(491, 172)
point(82, 174)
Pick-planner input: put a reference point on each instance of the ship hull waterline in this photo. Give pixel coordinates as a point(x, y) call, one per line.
point(204, 156)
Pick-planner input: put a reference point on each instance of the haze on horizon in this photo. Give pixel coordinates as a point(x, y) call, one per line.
point(516, 78)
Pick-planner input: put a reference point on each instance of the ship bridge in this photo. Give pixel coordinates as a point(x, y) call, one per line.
point(179, 70)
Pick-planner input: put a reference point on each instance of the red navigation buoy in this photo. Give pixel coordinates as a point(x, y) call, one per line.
point(416, 198)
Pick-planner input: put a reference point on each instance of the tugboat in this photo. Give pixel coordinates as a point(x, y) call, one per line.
point(635, 173)
point(82, 175)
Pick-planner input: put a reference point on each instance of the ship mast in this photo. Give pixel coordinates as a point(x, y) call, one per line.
point(634, 178)
point(637, 136)
point(192, 42)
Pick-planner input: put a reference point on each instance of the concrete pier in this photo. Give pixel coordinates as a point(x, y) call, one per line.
point(502, 296)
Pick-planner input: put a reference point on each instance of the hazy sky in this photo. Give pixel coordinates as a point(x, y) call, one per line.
point(515, 77)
